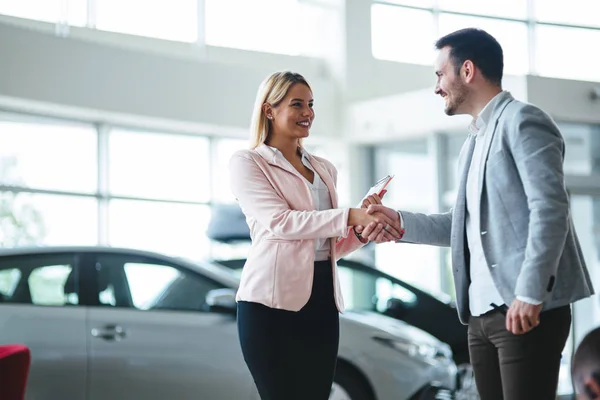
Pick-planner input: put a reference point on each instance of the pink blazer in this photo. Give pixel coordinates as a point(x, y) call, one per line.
point(284, 225)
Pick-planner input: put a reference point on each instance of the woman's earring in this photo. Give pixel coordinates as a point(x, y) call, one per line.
point(269, 116)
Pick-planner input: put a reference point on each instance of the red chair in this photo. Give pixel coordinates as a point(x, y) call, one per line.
point(15, 360)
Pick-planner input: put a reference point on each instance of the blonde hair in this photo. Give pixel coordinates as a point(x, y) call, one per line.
point(272, 90)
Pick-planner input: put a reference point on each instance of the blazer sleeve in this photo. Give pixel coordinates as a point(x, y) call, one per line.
point(537, 149)
point(433, 229)
point(263, 202)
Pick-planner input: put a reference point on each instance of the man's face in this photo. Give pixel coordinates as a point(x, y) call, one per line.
point(450, 85)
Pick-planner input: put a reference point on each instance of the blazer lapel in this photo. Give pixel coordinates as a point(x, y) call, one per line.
point(271, 157)
point(490, 131)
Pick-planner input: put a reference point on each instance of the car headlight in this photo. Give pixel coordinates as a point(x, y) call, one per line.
point(421, 351)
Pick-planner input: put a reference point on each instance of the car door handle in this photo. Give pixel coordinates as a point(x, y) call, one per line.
point(109, 332)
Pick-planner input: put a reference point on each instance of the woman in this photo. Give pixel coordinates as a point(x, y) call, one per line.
point(289, 295)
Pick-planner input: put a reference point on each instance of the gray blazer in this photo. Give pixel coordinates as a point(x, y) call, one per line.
point(527, 233)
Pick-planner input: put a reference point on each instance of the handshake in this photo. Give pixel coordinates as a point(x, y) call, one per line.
point(375, 222)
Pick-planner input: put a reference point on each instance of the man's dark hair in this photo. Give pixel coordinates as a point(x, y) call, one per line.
point(478, 46)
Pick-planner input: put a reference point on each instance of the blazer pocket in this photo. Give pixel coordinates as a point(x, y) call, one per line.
point(278, 240)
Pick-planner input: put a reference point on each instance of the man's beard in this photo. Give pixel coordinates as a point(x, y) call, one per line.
point(459, 97)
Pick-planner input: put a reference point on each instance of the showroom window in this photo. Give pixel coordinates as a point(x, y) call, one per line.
point(224, 149)
point(546, 49)
point(494, 8)
point(394, 38)
point(73, 12)
point(173, 228)
point(572, 12)
point(48, 155)
point(567, 53)
point(252, 24)
point(159, 166)
point(64, 183)
point(417, 265)
point(48, 180)
point(48, 219)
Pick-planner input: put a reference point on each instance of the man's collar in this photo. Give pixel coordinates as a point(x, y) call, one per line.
point(477, 126)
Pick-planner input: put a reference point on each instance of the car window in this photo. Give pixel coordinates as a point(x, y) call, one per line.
point(367, 291)
point(44, 280)
point(148, 285)
point(9, 278)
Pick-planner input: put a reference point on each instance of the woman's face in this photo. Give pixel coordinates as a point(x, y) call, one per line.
point(294, 115)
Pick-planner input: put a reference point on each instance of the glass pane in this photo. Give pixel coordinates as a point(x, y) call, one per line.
point(579, 147)
point(393, 34)
point(366, 291)
point(573, 12)
point(493, 8)
point(421, 263)
point(40, 219)
point(171, 20)
point(319, 27)
point(260, 25)
point(176, 229)
point(555, 52)
point(225, 149)
point(512, 36)
point(147, 282)
point(162, 287)
point(162, 166)
point(9, 278)
point(48, 156)
point(47, 285)
point(72, 11)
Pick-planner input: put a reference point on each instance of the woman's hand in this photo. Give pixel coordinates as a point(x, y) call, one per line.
point(372, 199)
point(380, 224)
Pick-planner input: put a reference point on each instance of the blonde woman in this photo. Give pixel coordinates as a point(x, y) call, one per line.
point(289, 295)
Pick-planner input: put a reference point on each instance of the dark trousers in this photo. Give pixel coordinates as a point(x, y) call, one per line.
point(292, 355)
point(518, 367)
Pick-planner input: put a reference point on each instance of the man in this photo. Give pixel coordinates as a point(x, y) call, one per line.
point(585, 367)
point(517, 262)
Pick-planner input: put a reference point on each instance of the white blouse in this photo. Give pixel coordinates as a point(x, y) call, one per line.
point(321, 200)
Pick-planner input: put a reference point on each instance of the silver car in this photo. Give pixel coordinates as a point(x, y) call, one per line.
point(122, 324)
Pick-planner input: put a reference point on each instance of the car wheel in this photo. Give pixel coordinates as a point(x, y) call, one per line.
point(349, 385)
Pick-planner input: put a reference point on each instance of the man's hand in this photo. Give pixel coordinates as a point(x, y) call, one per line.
point(522, 317)
point(389, 235)
point(385, 234)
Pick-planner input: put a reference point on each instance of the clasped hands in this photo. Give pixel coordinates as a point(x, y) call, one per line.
point(380, 224)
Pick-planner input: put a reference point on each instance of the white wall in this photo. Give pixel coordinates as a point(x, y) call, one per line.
point(565, 100)
point(205, 90)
